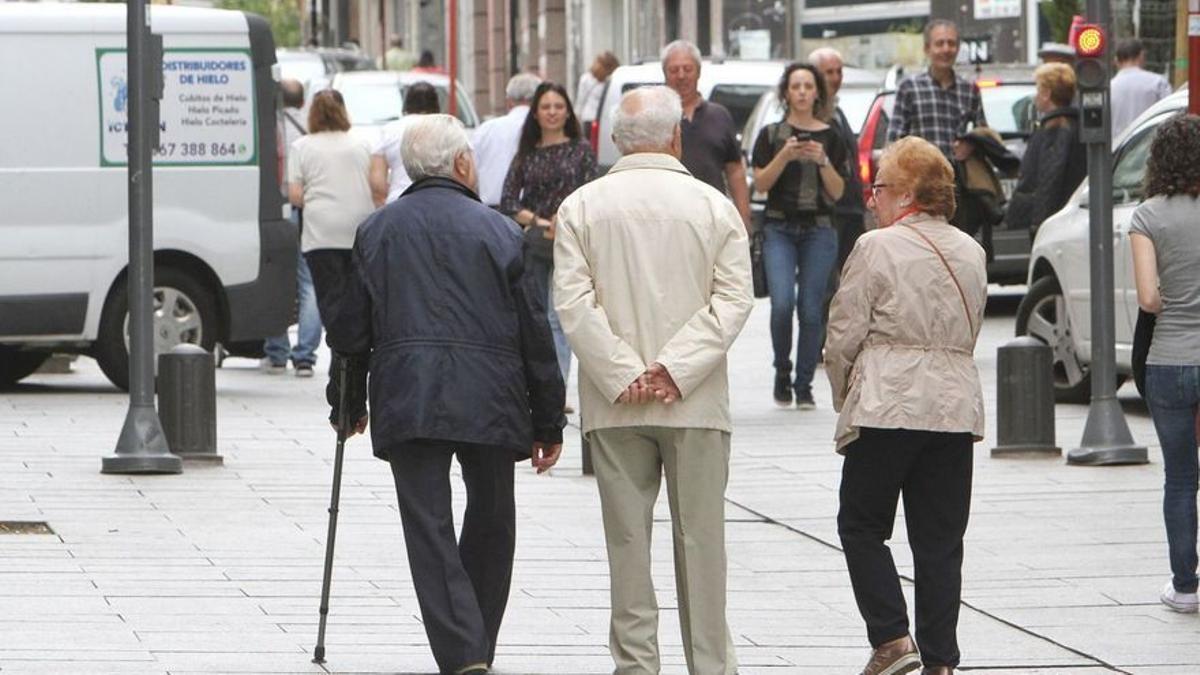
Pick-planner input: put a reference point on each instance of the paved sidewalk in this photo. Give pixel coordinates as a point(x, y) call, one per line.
point(219, 569)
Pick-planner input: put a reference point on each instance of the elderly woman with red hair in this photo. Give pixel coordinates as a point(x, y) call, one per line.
point(899, 354)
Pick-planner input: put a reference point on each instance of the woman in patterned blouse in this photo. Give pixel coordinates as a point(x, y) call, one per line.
point(553, 160)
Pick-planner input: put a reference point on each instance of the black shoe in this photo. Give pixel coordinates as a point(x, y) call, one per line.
point(804, 401)
point(783, 390)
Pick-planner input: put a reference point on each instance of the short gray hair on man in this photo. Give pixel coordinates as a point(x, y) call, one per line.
point(818, 56)
point(430, 145)
point(680, 45)
point(521, 87)
point(646, 119)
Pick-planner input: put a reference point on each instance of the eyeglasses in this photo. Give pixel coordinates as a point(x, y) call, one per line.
point(876, 187)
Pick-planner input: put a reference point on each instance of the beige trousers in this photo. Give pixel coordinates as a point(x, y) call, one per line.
point(629, 464)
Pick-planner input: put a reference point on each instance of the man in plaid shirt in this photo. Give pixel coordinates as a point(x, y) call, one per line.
point(937, 105)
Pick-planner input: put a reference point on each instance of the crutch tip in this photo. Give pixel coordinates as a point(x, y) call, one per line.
point(319, 655)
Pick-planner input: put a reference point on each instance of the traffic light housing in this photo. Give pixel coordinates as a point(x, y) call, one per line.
point(1091, 76)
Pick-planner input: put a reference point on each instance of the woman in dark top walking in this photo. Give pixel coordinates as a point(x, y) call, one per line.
point(553, 160)
point(801, 164)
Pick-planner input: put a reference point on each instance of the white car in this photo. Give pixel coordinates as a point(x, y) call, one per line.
point(1057, 307)
point(737, 85)
point(376, 97)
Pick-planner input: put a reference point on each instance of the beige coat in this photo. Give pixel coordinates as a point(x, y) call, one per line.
point(899, 352)
point(651, 265)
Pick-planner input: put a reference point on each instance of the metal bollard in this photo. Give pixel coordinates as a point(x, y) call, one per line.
point(187, 402)
point(1024, 399)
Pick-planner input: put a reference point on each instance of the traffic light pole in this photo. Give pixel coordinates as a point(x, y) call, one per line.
point(142, 445)
point(1106, 437)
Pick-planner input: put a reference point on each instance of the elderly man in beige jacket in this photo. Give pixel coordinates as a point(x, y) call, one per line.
point(652, 285)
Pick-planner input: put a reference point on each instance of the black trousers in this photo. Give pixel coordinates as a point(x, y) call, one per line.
point(462, 587)
point(932, 470)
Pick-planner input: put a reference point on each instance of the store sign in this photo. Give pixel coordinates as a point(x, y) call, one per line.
point(997, 9)
point(207, 113)
point(975, 50)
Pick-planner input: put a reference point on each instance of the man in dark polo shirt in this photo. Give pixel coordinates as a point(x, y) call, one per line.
point(710, 148)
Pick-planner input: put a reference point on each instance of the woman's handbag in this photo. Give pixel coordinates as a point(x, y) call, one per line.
point(758, 270)
point(1143, 334)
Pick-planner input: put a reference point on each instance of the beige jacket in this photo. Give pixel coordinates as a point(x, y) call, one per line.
point(651, 265)
point(899, 351)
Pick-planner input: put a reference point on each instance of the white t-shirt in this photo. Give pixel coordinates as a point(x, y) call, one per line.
point(587, 96)
point(388, 147)
point(332, 167)
point(1133, 91)
point(495, 144)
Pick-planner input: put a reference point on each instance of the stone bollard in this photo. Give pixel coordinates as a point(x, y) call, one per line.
point(1024, 399)
point(187, 402)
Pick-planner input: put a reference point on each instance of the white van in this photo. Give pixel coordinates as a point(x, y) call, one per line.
point(225, 256)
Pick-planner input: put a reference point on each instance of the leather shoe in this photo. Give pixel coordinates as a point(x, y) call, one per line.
point(893, 658)
point(937, 670)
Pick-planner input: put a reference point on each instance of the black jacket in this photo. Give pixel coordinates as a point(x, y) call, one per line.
point(1054, 164)
point(459, 348)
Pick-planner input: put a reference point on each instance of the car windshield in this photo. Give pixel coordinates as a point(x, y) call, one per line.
point(382, 102)
point(301, 67)
point(1009, 108)
point(372, 103)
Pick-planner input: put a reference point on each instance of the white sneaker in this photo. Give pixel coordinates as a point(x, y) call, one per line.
point(1185, 603)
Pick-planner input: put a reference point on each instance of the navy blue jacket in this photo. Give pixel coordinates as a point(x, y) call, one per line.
point(460, 349)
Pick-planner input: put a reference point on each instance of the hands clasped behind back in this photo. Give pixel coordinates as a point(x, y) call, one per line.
point(653, 385)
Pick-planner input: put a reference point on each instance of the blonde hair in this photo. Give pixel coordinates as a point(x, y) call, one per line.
point(922, 169)
point(1058, 80)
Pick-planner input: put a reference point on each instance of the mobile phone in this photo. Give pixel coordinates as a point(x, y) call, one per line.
point(801, 135)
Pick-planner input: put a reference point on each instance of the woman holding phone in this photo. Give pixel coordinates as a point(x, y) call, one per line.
point(801, 164)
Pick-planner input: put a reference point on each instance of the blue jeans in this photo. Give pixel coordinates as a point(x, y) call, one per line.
point(308, 334)
point(543, 271)
point(1173, 393)
point(798, 263)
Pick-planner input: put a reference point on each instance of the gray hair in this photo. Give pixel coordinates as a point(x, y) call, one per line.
point(521, 87)
point(818, 56)
point(646, 119)
point(430, 145)
point(680, 45)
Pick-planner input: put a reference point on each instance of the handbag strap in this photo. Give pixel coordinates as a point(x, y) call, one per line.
point(953, 277)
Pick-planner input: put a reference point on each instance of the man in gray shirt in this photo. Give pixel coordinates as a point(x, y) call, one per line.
point(1134, 89)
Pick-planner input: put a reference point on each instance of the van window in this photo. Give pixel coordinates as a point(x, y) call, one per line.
point(739, 99)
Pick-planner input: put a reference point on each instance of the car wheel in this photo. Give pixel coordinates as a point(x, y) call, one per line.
point(16, 365)
point(184, 313)
point(1043, 316)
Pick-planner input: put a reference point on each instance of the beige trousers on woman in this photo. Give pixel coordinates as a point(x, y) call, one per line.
point(630, 463)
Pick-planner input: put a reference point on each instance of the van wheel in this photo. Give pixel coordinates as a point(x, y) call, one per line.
point(16, 365)
point(184, 313)
point(1042, 315)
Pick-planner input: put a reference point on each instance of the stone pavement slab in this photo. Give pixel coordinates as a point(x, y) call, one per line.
point(218, 570)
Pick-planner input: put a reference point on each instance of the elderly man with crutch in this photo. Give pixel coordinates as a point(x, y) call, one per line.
point(437, 310)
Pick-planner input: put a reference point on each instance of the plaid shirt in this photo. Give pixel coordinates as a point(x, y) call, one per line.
point(925, 109)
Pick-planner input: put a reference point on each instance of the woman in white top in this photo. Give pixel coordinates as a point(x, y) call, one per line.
point(328, 170)
point(388, 178)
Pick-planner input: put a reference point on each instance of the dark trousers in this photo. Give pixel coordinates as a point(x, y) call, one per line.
point(331, 276)
point(462, 587)
point(932, 470)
